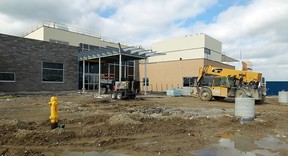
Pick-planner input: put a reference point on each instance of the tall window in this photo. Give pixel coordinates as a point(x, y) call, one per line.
point(52, 72)
point(7, 77)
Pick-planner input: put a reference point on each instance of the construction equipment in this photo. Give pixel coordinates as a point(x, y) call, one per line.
point(220, 83)
point(124, 90)
point(107, 84)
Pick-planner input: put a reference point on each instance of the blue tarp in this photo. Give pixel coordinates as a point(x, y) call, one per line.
point(273, 87)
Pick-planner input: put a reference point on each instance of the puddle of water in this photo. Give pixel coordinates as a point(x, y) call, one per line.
point(93, 153)
point(239, 145)
point(271, 143)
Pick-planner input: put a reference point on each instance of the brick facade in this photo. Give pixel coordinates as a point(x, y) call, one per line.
point(24, 57)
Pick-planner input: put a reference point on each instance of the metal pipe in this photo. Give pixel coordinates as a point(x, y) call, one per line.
point(99, 78)
point(108, 71)
point(134, 70)
point(120, 63)
point(120, 67)
point(145, 77)
point(83, 77)
point(125, 70)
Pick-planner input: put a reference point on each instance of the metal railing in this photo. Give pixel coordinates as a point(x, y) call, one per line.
point(64, 27)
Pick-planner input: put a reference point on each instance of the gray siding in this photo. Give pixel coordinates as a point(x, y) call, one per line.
point(24, 57)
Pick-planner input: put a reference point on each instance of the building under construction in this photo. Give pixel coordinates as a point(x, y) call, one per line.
point(53, 56)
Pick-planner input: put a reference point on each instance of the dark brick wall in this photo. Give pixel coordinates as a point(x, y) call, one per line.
point(25, 56)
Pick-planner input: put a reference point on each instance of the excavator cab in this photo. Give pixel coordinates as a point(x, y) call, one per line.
point(219, 86)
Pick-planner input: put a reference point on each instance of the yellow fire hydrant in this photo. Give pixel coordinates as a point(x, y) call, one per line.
point(54, 112)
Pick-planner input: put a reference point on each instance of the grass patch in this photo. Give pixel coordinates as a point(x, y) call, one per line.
point(6, 97)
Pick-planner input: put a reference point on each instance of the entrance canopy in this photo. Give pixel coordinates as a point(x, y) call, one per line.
point(111, 54)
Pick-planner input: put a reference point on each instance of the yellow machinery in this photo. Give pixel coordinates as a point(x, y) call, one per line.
point(220, 83)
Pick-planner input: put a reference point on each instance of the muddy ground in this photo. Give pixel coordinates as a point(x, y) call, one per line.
point(152, 125)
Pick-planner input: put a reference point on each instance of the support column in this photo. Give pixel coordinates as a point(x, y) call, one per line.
point(108, 71)
point(89, 77)
point(120, 66)
point(120, 63)
point(125, 70)
point(83, 77)
point(145, 77)
point(134, 70)
point(99, 78)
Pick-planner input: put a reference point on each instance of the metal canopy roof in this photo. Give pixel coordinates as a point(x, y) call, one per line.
point(111, 54)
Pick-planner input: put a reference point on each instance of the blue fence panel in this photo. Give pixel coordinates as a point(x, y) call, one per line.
point(273, 87)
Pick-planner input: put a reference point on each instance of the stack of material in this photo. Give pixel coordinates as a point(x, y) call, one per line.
point(174, 92)
point(186, 91)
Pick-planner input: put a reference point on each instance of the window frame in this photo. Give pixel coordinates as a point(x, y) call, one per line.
point(147, 81)
point(224, 81)
point(9, 80)
point(207, 51)
point(191, 81)
point(42, 70)
point(217, 82)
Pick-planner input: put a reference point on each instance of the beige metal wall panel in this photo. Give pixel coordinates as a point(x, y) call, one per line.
point(189, 47)
point(71, 37)
point(213, 44)
point(215, 56)
point(46, 33)
point(184, 43)
point(37, 34)
point(176, 55)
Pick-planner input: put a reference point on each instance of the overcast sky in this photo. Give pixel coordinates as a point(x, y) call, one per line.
point(256, 29)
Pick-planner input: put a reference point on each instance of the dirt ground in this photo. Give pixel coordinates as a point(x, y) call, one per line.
point(151, 125)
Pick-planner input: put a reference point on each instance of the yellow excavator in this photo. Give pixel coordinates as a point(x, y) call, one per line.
point(220, 83)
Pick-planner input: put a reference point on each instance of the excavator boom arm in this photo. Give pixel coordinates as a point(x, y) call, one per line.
point(247, 76)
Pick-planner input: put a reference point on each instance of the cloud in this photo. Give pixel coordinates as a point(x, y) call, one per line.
point(258, 30)
point(113, 18)
point(140, 22)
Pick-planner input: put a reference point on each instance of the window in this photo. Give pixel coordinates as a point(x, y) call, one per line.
point(7, 77)
point(131, 63)
point(147, 81)
point(206, 80)
point(232, 81)
point(224, 81)
point(217, 82)
point(189, 81)
point(52, 72)
point(92, 47)
point(207, 51)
